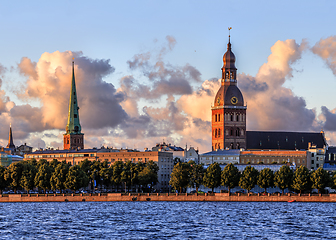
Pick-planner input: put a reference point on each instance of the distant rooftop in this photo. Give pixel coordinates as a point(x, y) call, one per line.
point(283, 140)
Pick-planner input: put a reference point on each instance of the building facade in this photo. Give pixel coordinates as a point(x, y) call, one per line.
point(164, 160)
point(73, 138)
point(185, 155)
point(294, 157)
point(228, 111)
point(221, 157)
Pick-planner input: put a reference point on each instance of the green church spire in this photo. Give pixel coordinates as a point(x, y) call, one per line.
point(73, 125)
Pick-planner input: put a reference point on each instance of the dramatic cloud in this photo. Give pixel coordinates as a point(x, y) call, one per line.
point(49, 81)
point(326, 49)
point(164, 79)
point(270, 105)
point(156, 101)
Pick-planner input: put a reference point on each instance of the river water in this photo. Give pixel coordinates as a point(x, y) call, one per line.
point(167, 220)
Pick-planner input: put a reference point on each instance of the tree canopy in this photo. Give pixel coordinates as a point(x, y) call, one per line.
point(212, 176)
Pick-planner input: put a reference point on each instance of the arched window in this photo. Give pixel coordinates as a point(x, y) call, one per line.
point(219, 132)
point(231, 132)
point(231, 146)
point(238, 132)
point(218, 145)
point(218, 117)
point(215, 145)
point(237, 118)
point(215, 133)
point(68, 141)
point(238, 145)
point(231, 117)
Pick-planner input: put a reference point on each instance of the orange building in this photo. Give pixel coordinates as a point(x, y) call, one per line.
point(228, 111)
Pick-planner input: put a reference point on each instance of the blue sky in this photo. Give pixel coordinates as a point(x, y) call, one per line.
point(118, 30)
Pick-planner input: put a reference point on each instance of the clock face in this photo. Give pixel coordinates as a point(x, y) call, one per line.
point(218, 101)
point(234, 100)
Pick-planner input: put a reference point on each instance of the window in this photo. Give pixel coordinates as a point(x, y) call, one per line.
point(219, 132)
point(237, 118)
point(317, 165)
point(218, 117)
point(312, 161)
point(312, 154)
point(231, 117)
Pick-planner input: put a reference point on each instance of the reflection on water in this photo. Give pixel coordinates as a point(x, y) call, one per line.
point(167, 220)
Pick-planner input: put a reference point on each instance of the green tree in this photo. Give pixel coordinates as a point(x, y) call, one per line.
point(117, 169)
point(248, 178)
point(265, 178)
point(28, 176)
point(95, 172)
point(58, 177)
point(3, 182)
point(105, 173)
point(126, 174)
point(302, 180)
point(283, 178)
point(320, 179)
point(76, 178)
point(43, 175)
point(53, 164)
point(149, 174)
point(333, 181)
point(85, 165)
point(138, 168)
point(13, 175)
point(212, 176)
point(180, 176)
point(177, 160)
point(196, 174)
point(230, 176)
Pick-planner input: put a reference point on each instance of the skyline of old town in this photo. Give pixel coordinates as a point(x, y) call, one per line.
point(160, 86)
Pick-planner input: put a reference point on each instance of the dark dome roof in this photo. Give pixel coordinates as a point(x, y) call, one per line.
point(229, 95)
point(229, 58)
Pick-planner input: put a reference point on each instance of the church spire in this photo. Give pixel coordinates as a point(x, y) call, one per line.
point(10, 138)
point(73, 125)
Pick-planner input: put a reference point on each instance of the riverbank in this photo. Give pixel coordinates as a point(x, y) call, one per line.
point(184, 197)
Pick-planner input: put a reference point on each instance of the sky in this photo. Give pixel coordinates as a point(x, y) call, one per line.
point(148, 71)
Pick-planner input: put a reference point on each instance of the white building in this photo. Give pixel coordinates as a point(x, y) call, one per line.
point(221, 157)
point(185, 155)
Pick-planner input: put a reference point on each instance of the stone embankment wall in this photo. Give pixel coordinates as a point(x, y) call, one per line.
point(219, 197)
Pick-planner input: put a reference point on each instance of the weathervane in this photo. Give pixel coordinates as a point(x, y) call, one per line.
point(229, 32)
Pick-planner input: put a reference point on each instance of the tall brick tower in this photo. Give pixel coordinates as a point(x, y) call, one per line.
point(73, 138)
point(228, 111)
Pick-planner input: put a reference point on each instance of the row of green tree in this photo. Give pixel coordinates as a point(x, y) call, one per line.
point(58, 175)
point(193, 175)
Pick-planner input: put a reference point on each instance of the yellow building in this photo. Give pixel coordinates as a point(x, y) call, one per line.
point(163, 159)
point(297, 158)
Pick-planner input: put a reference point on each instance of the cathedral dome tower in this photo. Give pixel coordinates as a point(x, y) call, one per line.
point(228, 111)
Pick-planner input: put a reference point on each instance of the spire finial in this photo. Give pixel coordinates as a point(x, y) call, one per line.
point(229, 32)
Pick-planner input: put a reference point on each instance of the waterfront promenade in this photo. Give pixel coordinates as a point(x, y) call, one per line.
point(184, 197)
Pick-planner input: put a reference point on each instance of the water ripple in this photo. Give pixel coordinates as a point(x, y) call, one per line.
point(167, 220)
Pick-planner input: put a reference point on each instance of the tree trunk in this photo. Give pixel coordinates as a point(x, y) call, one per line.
point(196, 189)
point(265, 190)
point(283, 191)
